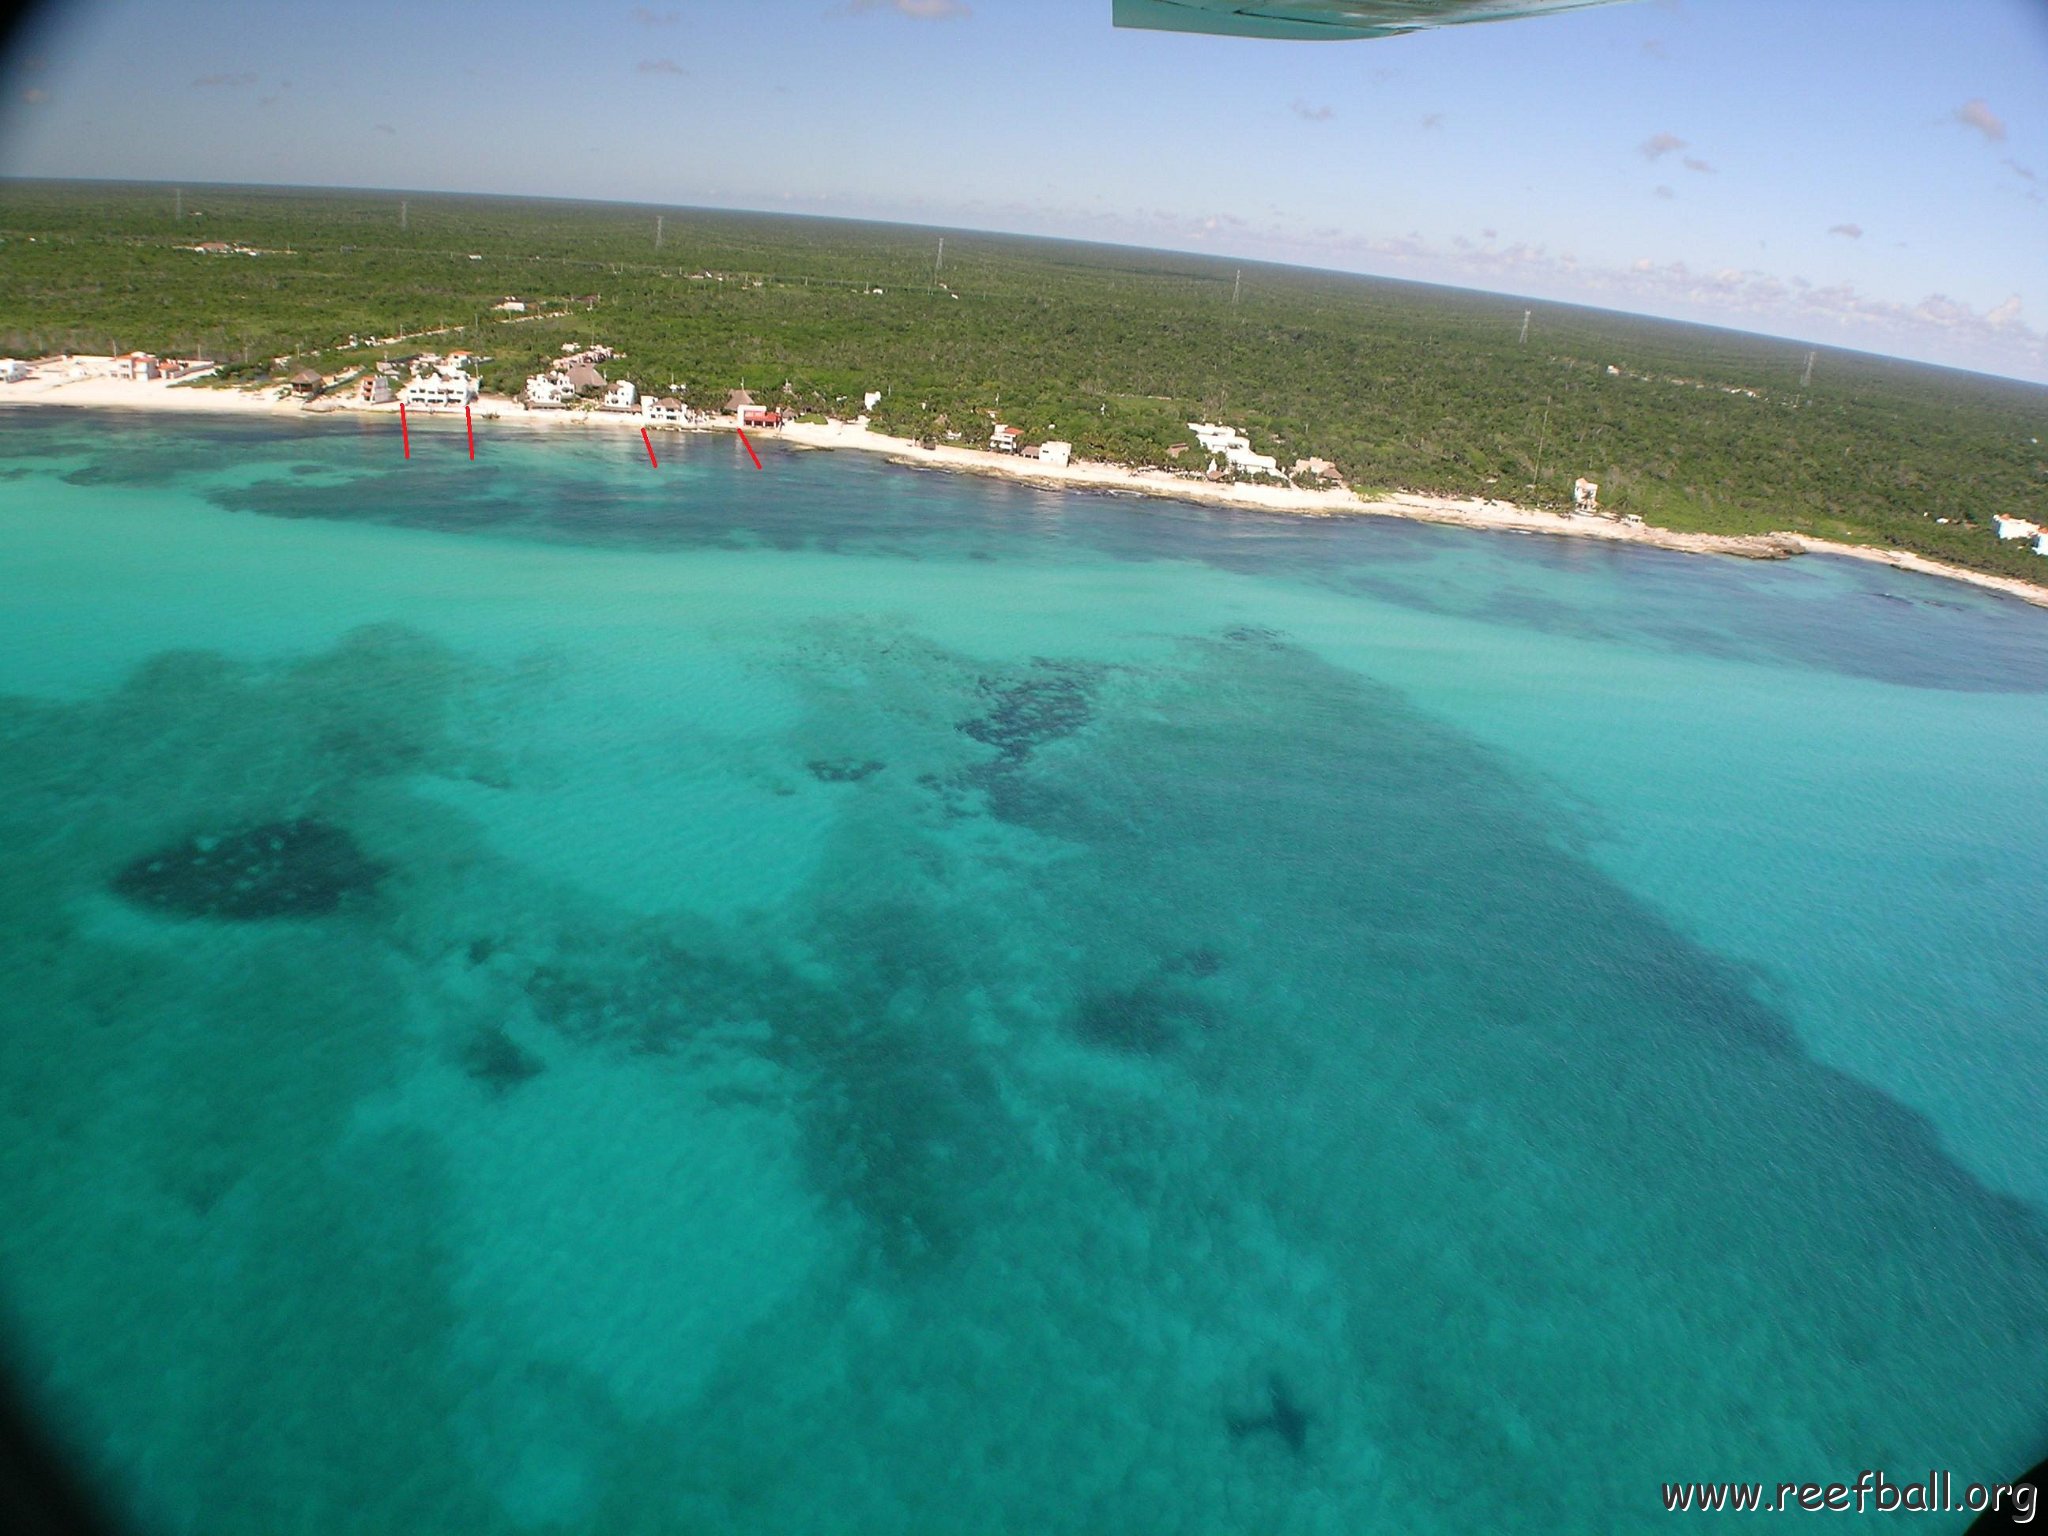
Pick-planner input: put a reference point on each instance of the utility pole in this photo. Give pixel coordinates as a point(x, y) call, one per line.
point(1806, 378)
point(181, 204)
point(657, 231)
point(1542, 439)
point(939, 265)
point(1236, 283)
point(1525, 323)
point(401, 213)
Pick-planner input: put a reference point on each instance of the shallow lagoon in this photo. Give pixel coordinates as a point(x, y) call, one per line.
point(837, 998)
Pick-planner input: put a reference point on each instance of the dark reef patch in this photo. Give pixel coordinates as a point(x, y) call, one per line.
point(1147, 1019)
point(843, 770)
point(1284, 1417)
point(299, 868)
point(1050, 701)
point(498, 1061)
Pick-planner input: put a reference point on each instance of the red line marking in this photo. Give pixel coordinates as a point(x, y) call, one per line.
point(750, 449)
point(404, 432)
point(650, 448)
point(470, 427)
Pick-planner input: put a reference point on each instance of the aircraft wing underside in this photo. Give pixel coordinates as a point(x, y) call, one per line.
point(1325, 19)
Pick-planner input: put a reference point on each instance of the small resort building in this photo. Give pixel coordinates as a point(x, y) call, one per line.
point(374, 389)
point(307, 383)
point(1059, 455)
point(667, 411)
point(1585, 495)
point(620, 396)
point(440, 391)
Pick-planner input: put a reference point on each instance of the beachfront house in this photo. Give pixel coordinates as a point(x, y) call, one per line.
point(307, 383)
point(374, 389)
point(667, 411)
point(440, 391)
point(1219, 439)
point(870, 400)
point(1244, 462)
point(1322, 469)
point(759, 416)
point(1003, 439)
point(738, 400)
point(583, 378)
point(2041, 543)
point(1059, 455)
point(12, 370)
point(135, 367)
point(1585, 495)
point(549, 391)
point(2014, 527)
point(620, 396)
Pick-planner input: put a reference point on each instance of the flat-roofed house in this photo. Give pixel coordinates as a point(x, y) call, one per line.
point(665, 411)
point(136, 366)
point(1003, 439)
point(2041, 543)
point(440, 391)
point(549, 391)
point(1585, 495)
point(1059, 455)
point(12, 370)
point(511, 306)
point(620, 396)
point(2014, 527)
point(1245, 462)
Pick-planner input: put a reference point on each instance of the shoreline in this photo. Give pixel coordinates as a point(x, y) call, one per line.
point(189, 396)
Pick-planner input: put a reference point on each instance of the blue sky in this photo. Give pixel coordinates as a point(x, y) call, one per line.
point(1869, 173)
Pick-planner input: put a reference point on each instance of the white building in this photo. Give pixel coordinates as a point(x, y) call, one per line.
point(2014, 527)
point(12, 369)
point(1585, 495)
point(2041, 543)
point(1059, 455)
point(549, 390)
point(440, 391)
point(1245, 462)
point(135, 366)
point(620, 396)
point(870, 400)
point(511, 306)
point(1003, 439)
point(664, 412)
point(1219, 439)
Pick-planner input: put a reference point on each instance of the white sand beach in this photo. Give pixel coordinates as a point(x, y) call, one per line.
point(54, 382)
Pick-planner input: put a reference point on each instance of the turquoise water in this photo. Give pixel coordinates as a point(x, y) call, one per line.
point(554, 996)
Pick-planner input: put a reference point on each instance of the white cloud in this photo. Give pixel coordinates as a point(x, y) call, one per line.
point(1976, 114)
point(660, 67)
point(648, 17)
point(1309, 114)
point(210, 82)
point(923, 10)
point(1658, 145)
point(1701, 166)
point(1847, 231)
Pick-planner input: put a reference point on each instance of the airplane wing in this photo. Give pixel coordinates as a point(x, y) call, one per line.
point(1325, 19)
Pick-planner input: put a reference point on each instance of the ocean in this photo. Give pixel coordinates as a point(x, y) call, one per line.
point(554, 995)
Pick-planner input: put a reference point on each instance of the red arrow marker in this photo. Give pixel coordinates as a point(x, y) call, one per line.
point(404, 432)
point(750, 449)
point(650, 448)
point(470, 427)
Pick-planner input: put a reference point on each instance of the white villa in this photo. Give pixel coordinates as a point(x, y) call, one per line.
point(667, 411)
point(1003, 439)
point(1059, 455)
point(549, 391)
point(1585, 495)
point(135, 365)
point(2041, 543)
point(2015, 527)
point(620, 396)
point(870, 400)
point(440, 391)
point(1245, 462)
point(12, 369)
point(1219, 439)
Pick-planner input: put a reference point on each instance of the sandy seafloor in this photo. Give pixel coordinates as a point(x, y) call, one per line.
point(830, 999)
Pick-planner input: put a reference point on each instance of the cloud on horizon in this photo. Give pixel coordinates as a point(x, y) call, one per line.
point(660, 67)
point(1658, 145)
point(1701, 166)
point(1847, 231)
point(1309, 114)
point(921, 10)
point(1976, 113)
point(648, 17)
point(211, 82)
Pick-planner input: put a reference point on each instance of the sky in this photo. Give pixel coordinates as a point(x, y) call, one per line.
point(1861, 173)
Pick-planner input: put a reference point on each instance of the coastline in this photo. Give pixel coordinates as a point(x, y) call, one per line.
point(189, 396)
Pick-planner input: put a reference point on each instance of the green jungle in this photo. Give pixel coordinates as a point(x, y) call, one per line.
point(1400, 385)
